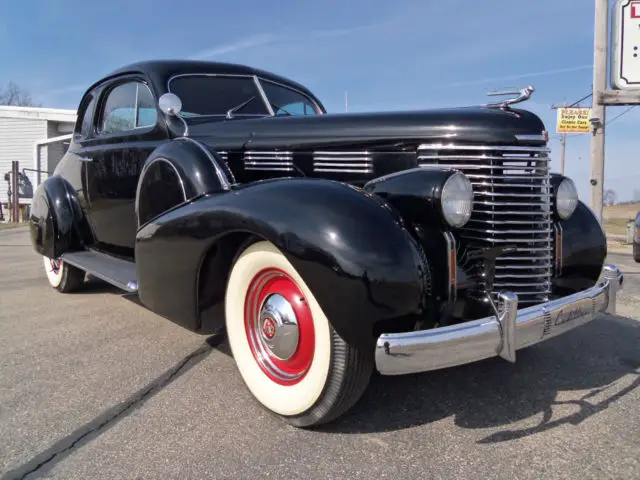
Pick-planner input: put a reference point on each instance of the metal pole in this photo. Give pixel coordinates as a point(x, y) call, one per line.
point(601, 36)
point(563, 141)
point(15, 207)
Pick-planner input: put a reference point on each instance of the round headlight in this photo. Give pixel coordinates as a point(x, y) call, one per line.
point(457, 200)
point(566, 198)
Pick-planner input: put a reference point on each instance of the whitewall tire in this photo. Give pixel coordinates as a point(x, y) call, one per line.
point(62, 276)
point(287, 352)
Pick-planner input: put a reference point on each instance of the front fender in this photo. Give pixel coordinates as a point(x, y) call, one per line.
point(353, 251)
point(57, 222)
point(584, 248)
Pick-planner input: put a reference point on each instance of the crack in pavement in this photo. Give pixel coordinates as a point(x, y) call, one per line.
point(46, 460)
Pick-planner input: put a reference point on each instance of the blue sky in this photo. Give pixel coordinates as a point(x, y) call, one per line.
point(405, 54)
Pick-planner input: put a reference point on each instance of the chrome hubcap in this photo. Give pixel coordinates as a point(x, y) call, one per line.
point(279, 326)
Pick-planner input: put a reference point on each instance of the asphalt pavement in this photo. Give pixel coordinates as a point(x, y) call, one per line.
point(92, 385)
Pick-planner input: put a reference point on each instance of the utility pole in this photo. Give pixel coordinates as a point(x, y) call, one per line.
point(598, 119)
point(563, 142)
point(346, 102)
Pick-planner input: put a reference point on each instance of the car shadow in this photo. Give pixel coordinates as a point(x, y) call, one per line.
point(494, 394)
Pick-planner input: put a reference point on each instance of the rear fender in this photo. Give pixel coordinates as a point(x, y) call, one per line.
point(57, 222)
point(351, 248)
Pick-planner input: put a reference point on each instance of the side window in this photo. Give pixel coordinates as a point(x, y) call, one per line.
point(286, 101)
point(84, 122)
point(128, 106)
point(638, 220)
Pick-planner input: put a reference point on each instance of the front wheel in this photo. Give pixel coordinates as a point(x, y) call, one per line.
point(287, 352)
point(62, 276)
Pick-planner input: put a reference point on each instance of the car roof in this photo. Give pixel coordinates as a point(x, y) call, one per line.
point(160, 71)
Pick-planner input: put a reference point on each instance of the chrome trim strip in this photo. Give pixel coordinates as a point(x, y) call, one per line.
point(224, 182)
point(531, 138)
point(265, 99)
point(421, 351)
point(451, 269)
point(499, 148)
point(557, 228)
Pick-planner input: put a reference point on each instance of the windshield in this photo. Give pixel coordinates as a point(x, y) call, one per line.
point(217, 95)
point(237, 96)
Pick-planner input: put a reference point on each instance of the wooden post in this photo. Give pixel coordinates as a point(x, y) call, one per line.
point(15, 193)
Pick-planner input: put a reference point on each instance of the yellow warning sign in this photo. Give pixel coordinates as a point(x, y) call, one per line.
point(573, 120)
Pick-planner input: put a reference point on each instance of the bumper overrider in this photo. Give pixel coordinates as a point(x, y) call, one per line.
point(513, 329)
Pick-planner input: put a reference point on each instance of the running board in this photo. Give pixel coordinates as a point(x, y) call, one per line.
point(117, 272)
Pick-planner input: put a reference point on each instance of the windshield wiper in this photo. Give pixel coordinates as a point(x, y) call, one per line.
point(233, 110)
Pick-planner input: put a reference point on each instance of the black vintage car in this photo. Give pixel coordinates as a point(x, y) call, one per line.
point(327, 245)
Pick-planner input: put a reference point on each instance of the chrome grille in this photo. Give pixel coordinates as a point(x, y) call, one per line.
point(512, 207)
point(342, 162)
point(268, 160)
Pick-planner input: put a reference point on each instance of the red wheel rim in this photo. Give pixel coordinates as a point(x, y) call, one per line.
point(55, 265)
point(279, 326)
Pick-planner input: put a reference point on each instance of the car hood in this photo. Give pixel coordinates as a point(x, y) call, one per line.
point(469, 124)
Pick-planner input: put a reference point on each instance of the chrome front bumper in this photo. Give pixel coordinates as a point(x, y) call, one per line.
point(421, 351)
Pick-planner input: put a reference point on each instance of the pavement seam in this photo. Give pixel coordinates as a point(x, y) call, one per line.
point(98, 425)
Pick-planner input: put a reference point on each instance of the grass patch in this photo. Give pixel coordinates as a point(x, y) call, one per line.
point(6, 226)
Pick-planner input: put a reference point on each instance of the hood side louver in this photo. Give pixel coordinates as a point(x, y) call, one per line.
point(342, 162)
point(268, 160)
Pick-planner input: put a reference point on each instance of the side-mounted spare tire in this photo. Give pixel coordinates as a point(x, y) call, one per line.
point(288, 354)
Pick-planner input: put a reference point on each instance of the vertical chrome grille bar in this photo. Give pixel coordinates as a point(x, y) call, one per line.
point(512, 206)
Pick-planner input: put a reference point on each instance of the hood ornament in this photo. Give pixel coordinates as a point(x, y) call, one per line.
point(523, 95)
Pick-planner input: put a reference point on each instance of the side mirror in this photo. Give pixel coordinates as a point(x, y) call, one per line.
point(170, 104)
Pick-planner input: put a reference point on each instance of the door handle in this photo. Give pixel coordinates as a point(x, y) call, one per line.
point(85, 159)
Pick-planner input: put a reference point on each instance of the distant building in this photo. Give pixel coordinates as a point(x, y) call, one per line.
point(37, 138)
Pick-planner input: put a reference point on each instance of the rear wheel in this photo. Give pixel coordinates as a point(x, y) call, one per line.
point(62, 276)
point(636, 252)
point(287, 352)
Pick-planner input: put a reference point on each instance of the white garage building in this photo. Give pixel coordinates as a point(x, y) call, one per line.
point(37, 138)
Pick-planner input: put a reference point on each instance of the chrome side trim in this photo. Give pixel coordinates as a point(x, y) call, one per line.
point(513, 329)
point(224, 182)
point(452, 281)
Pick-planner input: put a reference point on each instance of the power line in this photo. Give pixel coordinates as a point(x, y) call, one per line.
point(588, 95)
point(621, 114)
